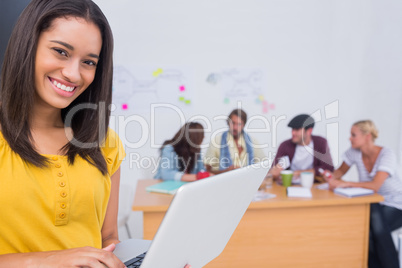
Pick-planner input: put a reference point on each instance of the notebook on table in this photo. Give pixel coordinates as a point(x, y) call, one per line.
point(353, 191)
point(166, 187)
point(199, 221)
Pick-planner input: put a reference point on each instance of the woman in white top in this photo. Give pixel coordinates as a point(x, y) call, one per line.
point(376, 166)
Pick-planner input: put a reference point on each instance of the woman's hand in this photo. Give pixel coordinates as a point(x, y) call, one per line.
point(81, 257)
point(327, 175)
point(189, 177)
point(334, 183)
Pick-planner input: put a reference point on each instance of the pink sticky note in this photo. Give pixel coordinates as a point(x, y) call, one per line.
point(182, 88)
point(265, 103)
point(265, 110)
point(124, 106)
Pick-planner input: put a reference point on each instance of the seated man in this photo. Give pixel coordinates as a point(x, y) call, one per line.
point(304, 151)
point(234, 148)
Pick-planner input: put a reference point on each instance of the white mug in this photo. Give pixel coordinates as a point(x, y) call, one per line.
point(307, 179)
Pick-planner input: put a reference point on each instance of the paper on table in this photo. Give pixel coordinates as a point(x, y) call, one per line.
point(299, 192)
point(353, 191)
point(323, 186)
point(259, 195)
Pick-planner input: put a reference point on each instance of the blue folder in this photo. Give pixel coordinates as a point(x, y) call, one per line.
point(166, 187)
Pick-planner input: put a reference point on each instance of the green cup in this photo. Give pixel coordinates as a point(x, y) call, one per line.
point(287, 176)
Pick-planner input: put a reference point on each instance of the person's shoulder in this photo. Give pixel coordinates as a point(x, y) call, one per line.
point(112, 139)
point(387, 151)
point(319, 139)
point(216, 139)
point(112, 144)
point(247, 135)
point(167, 148)
point(286, 142)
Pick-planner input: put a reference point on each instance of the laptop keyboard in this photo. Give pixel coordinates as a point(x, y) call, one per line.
point(136, 261)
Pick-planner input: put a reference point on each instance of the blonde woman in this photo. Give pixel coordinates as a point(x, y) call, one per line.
point(376, 166)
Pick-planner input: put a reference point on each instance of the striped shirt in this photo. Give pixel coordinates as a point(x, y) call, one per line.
point(391, 189)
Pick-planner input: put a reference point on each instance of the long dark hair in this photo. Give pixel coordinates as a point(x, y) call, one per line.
point(186, 143)
point(17, 88)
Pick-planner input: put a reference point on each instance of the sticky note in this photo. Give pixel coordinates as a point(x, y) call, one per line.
point(157, 72)
point(226, 100)
point(261, 97)
point(124, 106)
point(181, 99)
point(182, 88)
point(188, 101)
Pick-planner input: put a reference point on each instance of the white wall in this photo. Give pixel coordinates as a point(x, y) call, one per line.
point(311, 53)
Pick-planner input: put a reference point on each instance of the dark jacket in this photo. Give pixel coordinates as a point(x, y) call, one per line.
point(322, 156)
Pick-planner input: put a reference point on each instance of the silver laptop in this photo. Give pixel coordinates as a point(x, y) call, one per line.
point(199, 222)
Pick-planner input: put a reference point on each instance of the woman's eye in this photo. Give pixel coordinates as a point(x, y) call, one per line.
point(90, 63)
point(60, 51)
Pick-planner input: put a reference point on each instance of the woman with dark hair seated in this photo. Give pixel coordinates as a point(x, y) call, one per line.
point(180, 156)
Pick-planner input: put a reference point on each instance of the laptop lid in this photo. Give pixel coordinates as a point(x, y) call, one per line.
point(200, 220)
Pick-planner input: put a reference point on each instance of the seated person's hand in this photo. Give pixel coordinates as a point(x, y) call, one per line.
point(296, 173)
point(334, 183)
point(189, 177)
point(276, 171)
point(81, 257)
point(326, 174)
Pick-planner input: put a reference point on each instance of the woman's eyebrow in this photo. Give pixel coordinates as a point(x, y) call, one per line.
point(70, 47)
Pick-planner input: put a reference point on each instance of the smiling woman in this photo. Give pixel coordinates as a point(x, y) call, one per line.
point(66, 60)
point(55, 145)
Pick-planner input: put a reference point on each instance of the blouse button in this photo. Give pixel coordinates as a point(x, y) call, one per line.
point(57, 165)
point(63, 194)
point(60, 174)
point(63, 205)
point(55, 158)
point(62, 184)
point(62, 215)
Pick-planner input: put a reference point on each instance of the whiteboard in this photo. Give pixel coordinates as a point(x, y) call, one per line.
point(176, 61)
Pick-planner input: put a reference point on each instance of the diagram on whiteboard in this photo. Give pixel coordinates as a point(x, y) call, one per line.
point(241, 84)
point(136, 88)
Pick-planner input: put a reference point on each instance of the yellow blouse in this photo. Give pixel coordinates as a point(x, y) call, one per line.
point(54, 208)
